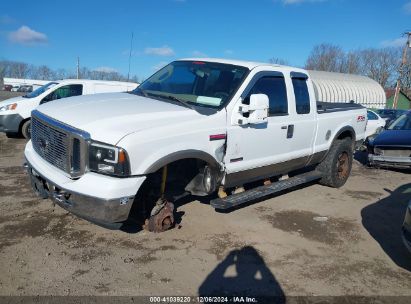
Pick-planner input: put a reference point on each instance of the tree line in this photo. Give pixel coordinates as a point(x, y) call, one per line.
point(16, 69)
point(380, 64)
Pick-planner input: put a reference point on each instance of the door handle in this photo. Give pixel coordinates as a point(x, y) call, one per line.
point(284, 127)
point(290, 131)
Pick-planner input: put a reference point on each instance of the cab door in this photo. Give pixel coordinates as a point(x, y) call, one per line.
point(257, 151)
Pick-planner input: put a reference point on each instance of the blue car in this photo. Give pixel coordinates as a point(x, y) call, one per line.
point(392, 147)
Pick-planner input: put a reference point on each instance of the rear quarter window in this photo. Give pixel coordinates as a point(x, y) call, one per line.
point(302, 98)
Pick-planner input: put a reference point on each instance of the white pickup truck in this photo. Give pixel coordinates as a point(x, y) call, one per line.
point(207, 127)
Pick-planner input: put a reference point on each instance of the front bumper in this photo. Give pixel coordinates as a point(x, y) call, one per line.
point(406, 228)
point(100, 199)
point(10, 123)
point(389, 161)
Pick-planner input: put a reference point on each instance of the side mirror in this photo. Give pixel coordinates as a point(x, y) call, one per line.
point(256, 112)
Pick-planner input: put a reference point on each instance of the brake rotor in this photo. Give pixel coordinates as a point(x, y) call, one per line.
point(162, 217)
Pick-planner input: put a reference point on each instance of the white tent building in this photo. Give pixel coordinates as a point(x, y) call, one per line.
point(339, 87)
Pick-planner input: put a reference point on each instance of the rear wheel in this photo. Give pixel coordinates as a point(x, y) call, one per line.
point(336, 167)
point(26, 129)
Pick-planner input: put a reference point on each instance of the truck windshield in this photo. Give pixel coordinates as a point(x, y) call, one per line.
point(196, 83)
point(40, 90)
point(401, 123)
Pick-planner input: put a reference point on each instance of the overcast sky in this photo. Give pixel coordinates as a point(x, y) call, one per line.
point(56, 32)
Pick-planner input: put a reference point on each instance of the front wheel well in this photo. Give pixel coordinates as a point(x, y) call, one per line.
point(179, 175)
point(22, 123)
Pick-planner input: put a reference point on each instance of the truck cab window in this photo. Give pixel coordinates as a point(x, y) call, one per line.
point(275, 89)
point(302, 98)
point(63, 92)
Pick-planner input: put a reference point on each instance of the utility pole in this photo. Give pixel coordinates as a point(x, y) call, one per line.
point(400, 72)
point(78, 67)
point(129, 57)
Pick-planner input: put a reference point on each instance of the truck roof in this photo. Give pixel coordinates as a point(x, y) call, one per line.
point(248, 64)
point(94, 81)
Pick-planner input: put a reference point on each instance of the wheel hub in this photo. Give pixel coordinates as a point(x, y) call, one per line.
point(162, 217)
point(343, 167)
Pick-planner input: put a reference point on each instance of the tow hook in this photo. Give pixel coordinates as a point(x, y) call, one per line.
point(162, 217)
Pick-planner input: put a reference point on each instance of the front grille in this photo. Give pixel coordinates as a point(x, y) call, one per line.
point(60, 145)
point(51, 144)
point(396, 152)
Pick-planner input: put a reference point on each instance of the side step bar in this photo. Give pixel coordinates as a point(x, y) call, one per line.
point(263, 191)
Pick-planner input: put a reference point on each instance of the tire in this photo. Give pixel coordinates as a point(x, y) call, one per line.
point(336, 167)
point(26, 129)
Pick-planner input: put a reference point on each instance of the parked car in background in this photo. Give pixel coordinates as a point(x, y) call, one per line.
point(406, 228)
point(390, 114)
point(15, 88)
point(7, 87)
point(25, 88)
point(375, 123)
point(15, 113)
point(392, 147)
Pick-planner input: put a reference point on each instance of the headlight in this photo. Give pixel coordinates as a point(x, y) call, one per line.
point(107, 159)
point(12, 106)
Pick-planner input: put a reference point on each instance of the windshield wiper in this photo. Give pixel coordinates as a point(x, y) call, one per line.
point(170, 97)
point(183, 102)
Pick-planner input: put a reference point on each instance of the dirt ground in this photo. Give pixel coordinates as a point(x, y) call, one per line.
point(281, 246)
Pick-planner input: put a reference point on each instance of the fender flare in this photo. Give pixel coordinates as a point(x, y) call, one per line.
point(179, 155)
point(342, 130)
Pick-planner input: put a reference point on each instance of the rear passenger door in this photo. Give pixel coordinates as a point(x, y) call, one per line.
point(302, 115)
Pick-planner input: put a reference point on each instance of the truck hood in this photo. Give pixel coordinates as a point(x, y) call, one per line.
point(108, 117)
point(393, 138)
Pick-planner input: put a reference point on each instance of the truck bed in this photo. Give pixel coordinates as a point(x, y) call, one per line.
point(327, 107)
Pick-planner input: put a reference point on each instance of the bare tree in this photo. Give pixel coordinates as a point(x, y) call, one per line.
point(61, 74)
point(23, 70)
point(134, 79)
point(276, 60)
point(326, 57)
point(350, 63)
point(380, 65)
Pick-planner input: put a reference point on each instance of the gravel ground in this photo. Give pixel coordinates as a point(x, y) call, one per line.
point(312, 241)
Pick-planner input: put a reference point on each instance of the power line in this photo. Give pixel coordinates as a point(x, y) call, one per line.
point(129, 57)
point(78, 67)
